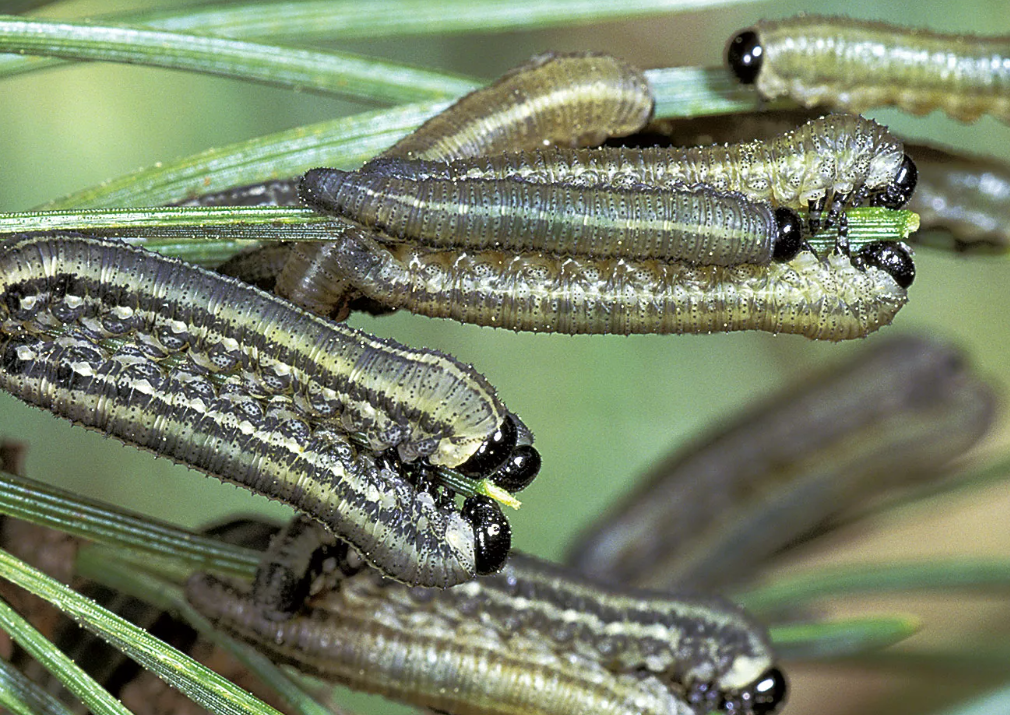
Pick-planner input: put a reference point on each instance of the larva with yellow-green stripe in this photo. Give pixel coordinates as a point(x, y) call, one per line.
point(239, 384)
point(856, 65)
point(830, 298)
point(833, 162)
point(696, 224)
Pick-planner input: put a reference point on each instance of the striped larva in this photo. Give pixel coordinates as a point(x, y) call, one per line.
point(710, 516)
point(838, 160)
point(827, 299)
point(694, 224)
point(571, 100)
point(855, 65)
point(588, 648)
point(217, 375)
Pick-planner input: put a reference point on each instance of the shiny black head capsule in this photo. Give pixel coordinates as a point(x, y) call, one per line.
point(893, 258)
point(519, 470)
point(789, 241)
point(762, 697)
point(745, 55)
point(493, 451)
point(492, 533)
point(899, 191)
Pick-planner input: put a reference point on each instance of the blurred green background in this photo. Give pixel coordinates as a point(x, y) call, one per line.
point(602, 408)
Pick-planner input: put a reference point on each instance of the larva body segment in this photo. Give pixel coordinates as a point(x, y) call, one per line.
point(696, 224)
point(894, 415)
point(588, 647)
point(570, 100)
point(838, 154)
point(856, 65)
point(823, 299)
point(226, 379)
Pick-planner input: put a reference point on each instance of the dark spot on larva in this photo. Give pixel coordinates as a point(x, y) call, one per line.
point(63, 376)
point(492, 533)
point(745, 55)
point(789, 240)
point(493, 451)
point(895, 259)
point(14, 299)
point(11, 361)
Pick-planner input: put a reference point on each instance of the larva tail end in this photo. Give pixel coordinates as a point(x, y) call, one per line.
point(317, 185)
point(744, 54)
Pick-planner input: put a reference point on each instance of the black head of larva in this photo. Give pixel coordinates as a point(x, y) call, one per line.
point(893, 258)
point(762, 697)
point(899, 191)
point(789, 239)
point(492, 533)
point(745, 55)
point(520, 469)
point(493, 452)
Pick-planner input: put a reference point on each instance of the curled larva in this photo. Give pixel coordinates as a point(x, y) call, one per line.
point(838, 160)
point(693, 224)
point(825, 299)
point(571, 100)
point(711, 516)
point(239, 384)
point(856, 65)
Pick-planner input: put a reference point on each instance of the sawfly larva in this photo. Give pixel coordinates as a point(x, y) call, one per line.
point(692, 224)
point(836, 161)
point(588, 648)
point(856, 65)
point(226, 379)
point(710, 516)
point(826, 299)
point(966, 198)
point(572, 100)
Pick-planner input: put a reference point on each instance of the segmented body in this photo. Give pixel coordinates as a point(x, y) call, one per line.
point(856, 65)
point(532, 639)
point(838, 154)
point(826, 299)
point(234, 382)
point(896, 414)
point(567, 99)
point(696, 224)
